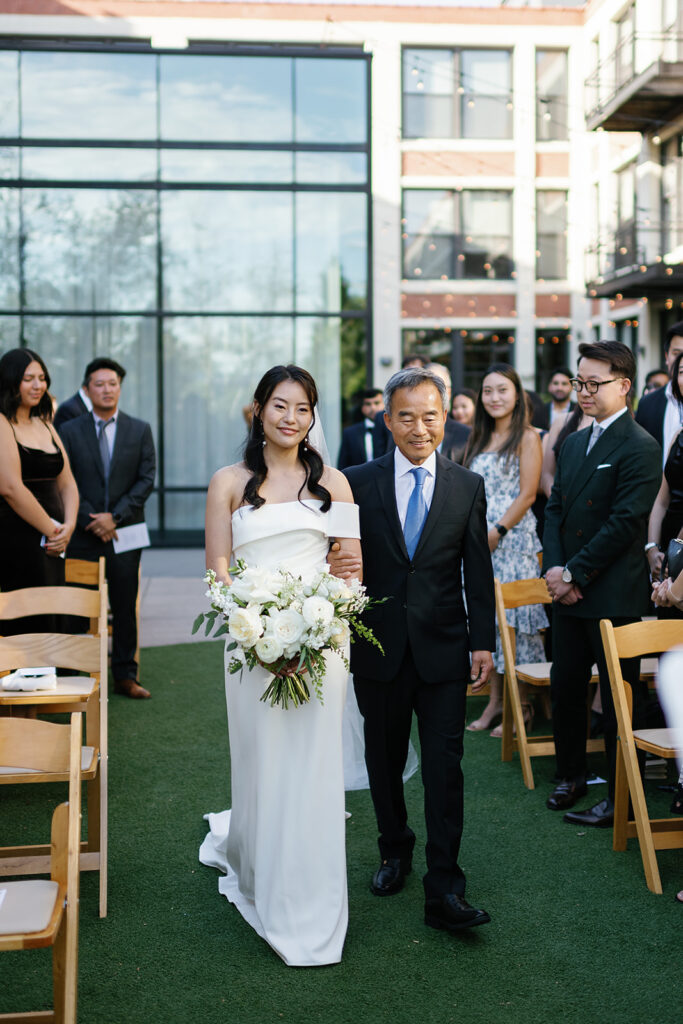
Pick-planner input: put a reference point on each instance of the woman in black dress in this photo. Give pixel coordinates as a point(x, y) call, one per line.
point(38, 494)
point(666, 518)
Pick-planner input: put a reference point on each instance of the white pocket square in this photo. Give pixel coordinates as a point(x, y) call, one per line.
point(604, 465)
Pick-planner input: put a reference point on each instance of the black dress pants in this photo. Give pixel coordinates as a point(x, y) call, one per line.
point(122, 573)
point(387, 710)
point(577, 646)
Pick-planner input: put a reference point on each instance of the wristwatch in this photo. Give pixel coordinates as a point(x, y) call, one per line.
point(567, 575)
point(650, 545)
point(116, 516)
point(502, 530)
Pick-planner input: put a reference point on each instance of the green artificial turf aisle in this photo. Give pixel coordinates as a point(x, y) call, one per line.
point(575, 934)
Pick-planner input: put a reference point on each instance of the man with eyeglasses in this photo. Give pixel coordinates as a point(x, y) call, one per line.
point(595, 529)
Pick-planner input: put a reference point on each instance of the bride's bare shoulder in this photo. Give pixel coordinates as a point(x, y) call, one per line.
point(230, 479)
point(337, 484)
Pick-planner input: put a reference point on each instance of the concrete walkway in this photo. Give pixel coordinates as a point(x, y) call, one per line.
point(172, 595)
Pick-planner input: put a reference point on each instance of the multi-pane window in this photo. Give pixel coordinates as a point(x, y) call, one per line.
point(457, 94)
point(451, 234)
point(203, 217)
point(551, 95)
point(551, 234)
point(625, 240)
point(467, 354)
point(552, 347)
point(625, 46)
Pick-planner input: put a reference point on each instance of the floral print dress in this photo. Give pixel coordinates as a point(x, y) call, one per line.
point(516, 557)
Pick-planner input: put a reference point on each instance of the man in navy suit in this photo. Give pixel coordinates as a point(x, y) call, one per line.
point(658, 412)
point(73, 407)
point(113, 461)
point(360, 442)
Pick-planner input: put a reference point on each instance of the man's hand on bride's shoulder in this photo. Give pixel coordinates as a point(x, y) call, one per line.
point(343, 563)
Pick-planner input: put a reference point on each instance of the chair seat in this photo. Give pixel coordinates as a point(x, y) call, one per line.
point(88, 766)
point(69, 689)
point(27, 906)
point(538, 673)
point(656, 741)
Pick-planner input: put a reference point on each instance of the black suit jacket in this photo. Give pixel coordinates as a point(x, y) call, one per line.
point(650, 414)
point(69, 410)
point(596, 519)
point(352, 450)
point(455, 437)
point(131, 473)
point(425, 605)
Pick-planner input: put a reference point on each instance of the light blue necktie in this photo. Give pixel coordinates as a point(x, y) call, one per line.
point(597, 431)
point(416, 512)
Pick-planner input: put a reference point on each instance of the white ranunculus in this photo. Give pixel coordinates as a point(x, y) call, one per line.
point(268, 648)
point(245, 626)
point(316, 609)
point(287, 625)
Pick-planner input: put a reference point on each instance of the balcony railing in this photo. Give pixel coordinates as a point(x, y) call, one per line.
point(653, 58)
point(633, 249)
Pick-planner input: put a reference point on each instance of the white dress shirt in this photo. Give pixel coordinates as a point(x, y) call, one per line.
point(85, 398)
point(368, 438)
point(109, 432)
point(610, 420)
point(404, 481)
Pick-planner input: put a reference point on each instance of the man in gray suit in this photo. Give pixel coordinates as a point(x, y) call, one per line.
point(113, 461)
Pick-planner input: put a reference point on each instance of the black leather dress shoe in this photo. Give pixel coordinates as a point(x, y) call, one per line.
point(390, 876)
point(453, 913)
point(565, 795)
point(598, 816)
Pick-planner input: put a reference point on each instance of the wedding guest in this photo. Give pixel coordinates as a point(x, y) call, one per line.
point(506, 451)
point(655, 379)
point(666, 517)
point(659, 412)
point(462, 406)
point(114, 463)
point(361, 441)
point(560, 390)
point(75, 406)
point(38, 494)
point(595, 529)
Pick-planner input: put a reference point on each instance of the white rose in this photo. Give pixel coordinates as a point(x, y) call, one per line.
point(339, 632)
point(268, 648)
point(287, 625)
point(317, 609)
point(245, 626)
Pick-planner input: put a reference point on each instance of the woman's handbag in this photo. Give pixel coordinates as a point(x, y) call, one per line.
point(673, 559)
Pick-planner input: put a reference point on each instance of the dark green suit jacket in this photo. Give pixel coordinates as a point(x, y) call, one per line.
point(596, 518)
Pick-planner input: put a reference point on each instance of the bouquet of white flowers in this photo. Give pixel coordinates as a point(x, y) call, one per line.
point(285, 623)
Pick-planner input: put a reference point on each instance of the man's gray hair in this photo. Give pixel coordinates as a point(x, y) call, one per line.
point(412, 377)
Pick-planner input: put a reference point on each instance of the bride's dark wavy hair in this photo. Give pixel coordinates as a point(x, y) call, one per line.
point(253, 449)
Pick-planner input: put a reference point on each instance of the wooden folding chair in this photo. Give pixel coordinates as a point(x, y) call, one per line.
point(516, 595)
point(653, 636)
point(87, 693)
point(92, 574)
point(36, 912)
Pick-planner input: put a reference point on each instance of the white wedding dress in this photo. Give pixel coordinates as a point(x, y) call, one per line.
point(282, 845)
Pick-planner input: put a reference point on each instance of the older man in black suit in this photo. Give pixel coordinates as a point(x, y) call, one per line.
point(423, 521)
point(113, 460)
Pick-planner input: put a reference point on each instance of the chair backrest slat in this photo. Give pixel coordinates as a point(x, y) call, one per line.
point(651, 637)
point(35, 744)
point(522, 592)
point(63, 650)
point(14, 604)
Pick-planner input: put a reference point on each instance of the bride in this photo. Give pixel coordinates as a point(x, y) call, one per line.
point(282, 845)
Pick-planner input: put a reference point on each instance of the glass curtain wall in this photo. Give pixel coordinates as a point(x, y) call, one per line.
point(198, 216)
